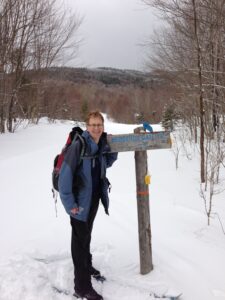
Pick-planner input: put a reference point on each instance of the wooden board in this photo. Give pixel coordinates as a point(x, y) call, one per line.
point(140, 141)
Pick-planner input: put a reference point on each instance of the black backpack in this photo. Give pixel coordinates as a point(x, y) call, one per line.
point(75, 134)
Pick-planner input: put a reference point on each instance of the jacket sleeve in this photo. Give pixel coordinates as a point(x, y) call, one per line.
point(66, 175)
point(111, 158)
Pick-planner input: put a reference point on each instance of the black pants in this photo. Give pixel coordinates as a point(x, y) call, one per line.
point(80, 248)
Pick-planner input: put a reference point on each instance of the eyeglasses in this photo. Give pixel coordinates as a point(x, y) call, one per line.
point(95, 125)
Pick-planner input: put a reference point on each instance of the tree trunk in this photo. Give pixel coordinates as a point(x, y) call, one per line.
point(10, 114)
point(201, 98)
point(2, 120)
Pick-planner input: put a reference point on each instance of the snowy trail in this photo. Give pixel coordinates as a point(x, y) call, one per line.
point(37, 277)
point(188, 256)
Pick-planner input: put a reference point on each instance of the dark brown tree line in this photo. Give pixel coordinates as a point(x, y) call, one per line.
point(61, 99)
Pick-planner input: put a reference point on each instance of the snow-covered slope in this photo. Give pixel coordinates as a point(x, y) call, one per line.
point(188, 256)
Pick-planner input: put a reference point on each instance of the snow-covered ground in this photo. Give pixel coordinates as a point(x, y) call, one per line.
point(188, 255)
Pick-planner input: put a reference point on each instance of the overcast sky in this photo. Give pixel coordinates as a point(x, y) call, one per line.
point(112, 31)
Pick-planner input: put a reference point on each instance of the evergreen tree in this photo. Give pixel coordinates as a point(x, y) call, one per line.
point(169, 117)
point(84, 109)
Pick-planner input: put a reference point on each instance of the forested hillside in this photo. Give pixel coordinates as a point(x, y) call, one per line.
point(68, 93)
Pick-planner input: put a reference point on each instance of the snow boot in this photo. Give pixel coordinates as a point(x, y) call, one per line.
point(97, 275)
point(94, 271)
point(89, 295)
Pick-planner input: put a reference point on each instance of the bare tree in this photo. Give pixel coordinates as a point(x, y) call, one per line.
point(33, 34)
point(181, 49)
point(192, 47)
point(215, 157)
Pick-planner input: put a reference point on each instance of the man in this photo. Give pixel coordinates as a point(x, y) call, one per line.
point(81, 186)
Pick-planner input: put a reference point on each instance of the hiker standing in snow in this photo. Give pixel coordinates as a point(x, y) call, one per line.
point(81, 186)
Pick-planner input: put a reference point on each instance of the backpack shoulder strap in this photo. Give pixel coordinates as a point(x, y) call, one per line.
point(82, 145)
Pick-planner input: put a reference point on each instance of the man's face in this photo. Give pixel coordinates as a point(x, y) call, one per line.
point(95, 127)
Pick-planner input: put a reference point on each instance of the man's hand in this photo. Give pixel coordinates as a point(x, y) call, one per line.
point(74, 210)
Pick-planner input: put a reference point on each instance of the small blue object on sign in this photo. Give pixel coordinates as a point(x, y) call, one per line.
point(147, 127)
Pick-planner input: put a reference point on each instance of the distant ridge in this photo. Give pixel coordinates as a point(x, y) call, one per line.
point(106, 76)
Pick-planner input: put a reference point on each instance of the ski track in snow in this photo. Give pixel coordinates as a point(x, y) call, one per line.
point(38, 275)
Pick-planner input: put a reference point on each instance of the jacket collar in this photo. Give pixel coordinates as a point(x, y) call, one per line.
point(93, 148)
point(91, 145)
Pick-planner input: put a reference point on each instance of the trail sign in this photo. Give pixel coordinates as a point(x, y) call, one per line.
point(140, 142)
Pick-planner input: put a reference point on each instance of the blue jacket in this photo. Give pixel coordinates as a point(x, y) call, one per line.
point(75, 179)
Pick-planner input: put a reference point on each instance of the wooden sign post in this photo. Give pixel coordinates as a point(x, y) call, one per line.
point(140, 142)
